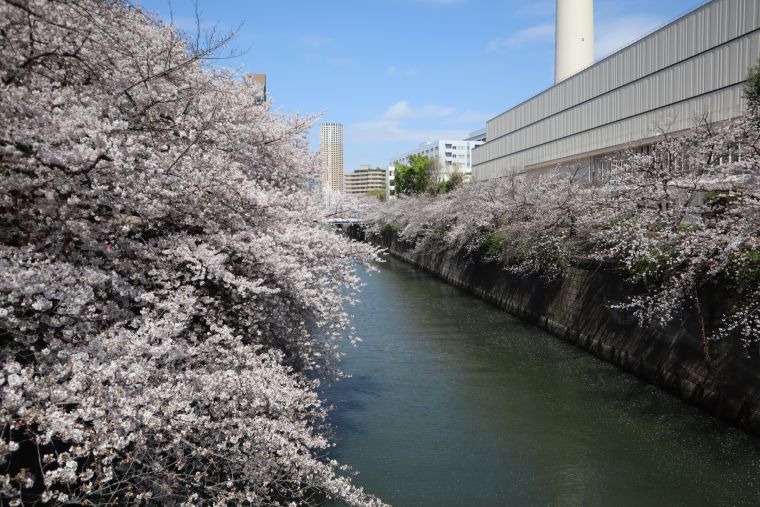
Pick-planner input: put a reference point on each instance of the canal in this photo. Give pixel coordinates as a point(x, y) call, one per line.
point(452, 402)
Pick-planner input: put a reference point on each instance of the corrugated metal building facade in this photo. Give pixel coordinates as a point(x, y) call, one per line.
point(695, 65)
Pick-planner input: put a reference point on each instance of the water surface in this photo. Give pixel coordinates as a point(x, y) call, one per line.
point(453, 402)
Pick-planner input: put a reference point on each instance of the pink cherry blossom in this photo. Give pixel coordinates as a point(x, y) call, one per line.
point(169, 299)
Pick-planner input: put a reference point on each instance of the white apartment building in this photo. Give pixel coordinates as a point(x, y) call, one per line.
point(453, 155)
point(331, 151)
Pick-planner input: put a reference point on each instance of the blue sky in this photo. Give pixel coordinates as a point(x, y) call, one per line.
point(400, 72)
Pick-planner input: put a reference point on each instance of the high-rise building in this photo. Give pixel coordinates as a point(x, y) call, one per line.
point(364, 179)
point(331, 151)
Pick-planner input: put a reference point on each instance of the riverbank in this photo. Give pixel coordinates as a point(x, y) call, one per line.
point(576, 309)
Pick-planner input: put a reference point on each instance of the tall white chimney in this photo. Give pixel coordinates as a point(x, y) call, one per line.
point(575, 37)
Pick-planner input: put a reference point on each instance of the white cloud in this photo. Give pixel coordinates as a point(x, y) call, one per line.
point(613, 34)
point(473, 117)
point(377, 131)
point(395, 124)
point(539, 34)
point(402, 110)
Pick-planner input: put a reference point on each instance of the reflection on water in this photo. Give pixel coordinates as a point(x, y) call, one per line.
point(454, 402)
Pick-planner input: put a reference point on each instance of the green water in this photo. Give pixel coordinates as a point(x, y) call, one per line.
point(454, 402)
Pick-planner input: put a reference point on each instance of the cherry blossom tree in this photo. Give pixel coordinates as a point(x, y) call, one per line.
point(682, 218)
point(168, 302)
point(524, 222)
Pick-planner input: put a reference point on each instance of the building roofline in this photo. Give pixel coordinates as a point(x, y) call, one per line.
point(648, 34)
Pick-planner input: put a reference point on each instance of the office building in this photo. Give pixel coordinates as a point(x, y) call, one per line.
point(364, 179)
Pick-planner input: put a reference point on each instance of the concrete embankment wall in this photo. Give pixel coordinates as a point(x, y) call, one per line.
point(576, 308)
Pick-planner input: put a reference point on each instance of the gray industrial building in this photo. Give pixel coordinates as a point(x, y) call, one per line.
point(693, 66)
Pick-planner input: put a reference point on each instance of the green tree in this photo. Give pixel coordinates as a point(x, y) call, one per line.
point(415, 177)
point(379, 193)
point(454, 180)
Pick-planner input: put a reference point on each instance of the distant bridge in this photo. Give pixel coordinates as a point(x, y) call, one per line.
point(344, 221)
point(344, 217)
